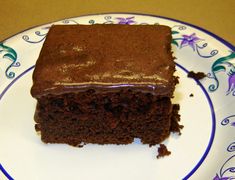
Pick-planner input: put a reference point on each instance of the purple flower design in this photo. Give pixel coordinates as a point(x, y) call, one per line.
point(233, 124)
point(128, 20)
point(231, 84)
point(189, 40)
point(222, 178)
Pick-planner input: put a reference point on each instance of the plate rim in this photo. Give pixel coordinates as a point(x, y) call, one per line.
point(221, 40)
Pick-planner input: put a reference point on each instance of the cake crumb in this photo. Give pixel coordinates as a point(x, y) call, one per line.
point(163, 151)
point(81, 145)
point(175, 118)
point(37, 127)
point(197, 75)
point(191, 95)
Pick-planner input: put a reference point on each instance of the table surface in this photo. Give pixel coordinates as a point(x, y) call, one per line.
point(214, 15)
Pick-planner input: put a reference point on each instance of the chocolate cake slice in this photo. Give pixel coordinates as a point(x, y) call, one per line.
point(105, 84)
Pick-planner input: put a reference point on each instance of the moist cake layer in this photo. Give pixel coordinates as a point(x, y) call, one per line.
point(88, 117)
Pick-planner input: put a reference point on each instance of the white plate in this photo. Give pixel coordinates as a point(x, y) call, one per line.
point(205, 150)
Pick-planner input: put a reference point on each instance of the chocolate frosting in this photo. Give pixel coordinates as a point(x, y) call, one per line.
point(76, 58)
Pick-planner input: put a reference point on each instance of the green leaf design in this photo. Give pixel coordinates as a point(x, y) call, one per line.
point(218, 63)
point(9, 53)
point(174, 32)
point(12, 51)
point(219, 68)
point(10, 56)
point(174, 42)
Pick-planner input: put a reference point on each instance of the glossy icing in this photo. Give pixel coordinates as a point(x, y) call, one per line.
point(106, 58)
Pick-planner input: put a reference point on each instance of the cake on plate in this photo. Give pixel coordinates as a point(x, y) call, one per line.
point(105, 84)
